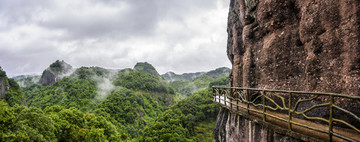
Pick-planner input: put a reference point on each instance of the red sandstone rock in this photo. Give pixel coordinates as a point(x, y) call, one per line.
point(302, 45)
point(296, 45)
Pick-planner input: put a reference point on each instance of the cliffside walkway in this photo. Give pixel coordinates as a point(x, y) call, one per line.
point(323, 116)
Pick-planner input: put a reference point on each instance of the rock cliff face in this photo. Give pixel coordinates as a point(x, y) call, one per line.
point(295, 44)
point(4, 87)
point(4, 84)
point(291, 45)
point(55, 72)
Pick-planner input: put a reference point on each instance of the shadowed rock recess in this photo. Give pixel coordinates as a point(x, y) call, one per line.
point(298, 45)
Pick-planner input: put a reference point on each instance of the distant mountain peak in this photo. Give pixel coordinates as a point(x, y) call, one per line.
point(219, 72)
point(171, 76)
point(222, 71)
point(169, 72)
point(60, 66)
point(146, 68)
point(56, 71)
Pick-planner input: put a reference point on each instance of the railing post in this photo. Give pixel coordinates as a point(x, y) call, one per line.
point(264, 108)
point(214, 95)
point(241, 95)
point(247, 101)
point(331, 117)
point(290, 112)
point(231, 96)
point(225, 98)
point(237, 102)
point(219, 96)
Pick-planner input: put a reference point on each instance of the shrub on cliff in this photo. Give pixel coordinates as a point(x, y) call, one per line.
point(2, 74)
point(56, 64)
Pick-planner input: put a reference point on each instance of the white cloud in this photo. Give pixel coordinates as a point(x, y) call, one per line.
point(181, 36)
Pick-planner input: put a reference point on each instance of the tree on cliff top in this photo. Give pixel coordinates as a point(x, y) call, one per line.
point(60, 66)
point(146, 68)
point(56, 71)
point(2, 74)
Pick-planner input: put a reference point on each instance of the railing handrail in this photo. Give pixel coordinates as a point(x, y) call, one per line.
point(228, 99)
point(288, 91)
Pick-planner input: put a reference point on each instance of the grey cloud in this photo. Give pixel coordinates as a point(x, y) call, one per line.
point(17, 12)
point(140, 19)
point(112, 34)
point(187, 6)
point(201, 59)
point(137, 20)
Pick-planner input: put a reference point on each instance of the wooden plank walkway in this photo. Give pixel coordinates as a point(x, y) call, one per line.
point(241, 109)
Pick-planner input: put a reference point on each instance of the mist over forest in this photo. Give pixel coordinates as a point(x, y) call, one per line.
point(98, 104)
point(111, 70)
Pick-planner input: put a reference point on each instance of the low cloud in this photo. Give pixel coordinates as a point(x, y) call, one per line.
point(104, 87)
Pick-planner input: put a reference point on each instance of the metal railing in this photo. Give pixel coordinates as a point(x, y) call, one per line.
point(292, 107)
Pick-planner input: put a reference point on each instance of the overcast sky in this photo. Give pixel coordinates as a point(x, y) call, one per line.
point(173, 35)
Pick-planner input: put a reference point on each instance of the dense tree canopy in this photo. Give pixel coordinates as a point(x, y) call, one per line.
point(179, 122)
point(68, 92)
point(146, 68)
point(141, 81)
point(222, 81)
point(55, 123)
point(131, 110)
point(95, 104)
point(15, 94)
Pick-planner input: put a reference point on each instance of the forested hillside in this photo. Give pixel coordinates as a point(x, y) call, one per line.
point(95, 104)
point(186, 85)
point(10, 91)
point(27, 80)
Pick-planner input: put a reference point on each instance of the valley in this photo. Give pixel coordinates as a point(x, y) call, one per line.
point(97, 104)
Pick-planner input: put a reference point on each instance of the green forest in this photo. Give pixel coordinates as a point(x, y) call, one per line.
point(96, 104)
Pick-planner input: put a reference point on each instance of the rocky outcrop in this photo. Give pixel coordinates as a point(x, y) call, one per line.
point(293, 45)
point(56, 71)
point(4, 84)
point(48, 77)
point(4, 87)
